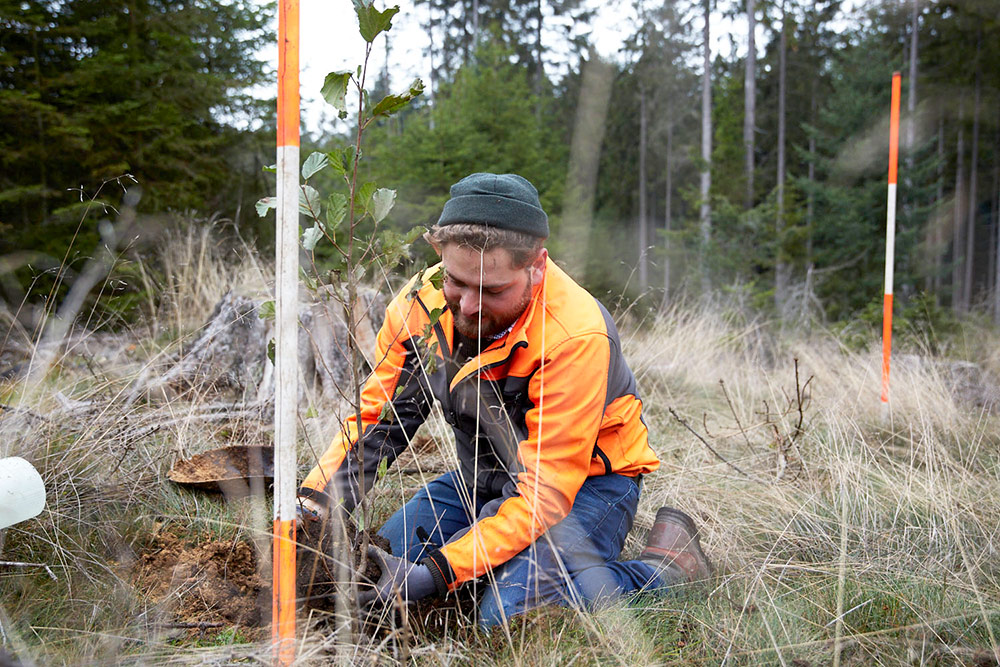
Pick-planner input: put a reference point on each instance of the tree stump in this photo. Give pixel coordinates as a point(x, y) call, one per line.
point(229, 358)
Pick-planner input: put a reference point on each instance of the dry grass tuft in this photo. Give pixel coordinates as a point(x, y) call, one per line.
point(840, 532)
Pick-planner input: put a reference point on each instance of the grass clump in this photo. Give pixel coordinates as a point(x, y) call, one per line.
point(841, 532)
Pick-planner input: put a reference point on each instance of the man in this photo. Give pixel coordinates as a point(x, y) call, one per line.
point(547, 420)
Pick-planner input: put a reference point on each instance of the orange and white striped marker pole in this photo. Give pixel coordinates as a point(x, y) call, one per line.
point(286, 335)
point(890, 235)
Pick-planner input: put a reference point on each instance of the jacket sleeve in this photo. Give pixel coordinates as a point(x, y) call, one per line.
point(393, 405)
point(568, 393)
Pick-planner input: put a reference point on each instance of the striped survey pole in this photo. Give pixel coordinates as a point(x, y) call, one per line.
point(890, 235)
point(286, 335)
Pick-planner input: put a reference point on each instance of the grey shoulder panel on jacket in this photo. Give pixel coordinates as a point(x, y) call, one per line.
point(621, 381)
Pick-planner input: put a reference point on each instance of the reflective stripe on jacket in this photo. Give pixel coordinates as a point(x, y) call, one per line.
point(552, 403)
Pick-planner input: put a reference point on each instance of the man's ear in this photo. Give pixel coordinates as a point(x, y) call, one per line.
point(537, 269)
point(430, 240)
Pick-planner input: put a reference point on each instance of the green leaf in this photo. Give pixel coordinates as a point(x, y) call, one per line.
point(434, 316)
point(311, 237)
point(308, 280)
point(363, 197)
point(382, 202)
point(266, 310)
point(431, 366)
point(414, 291)
point(341, 160)
point(266, 204)
point(270, 350)
point(270, 169)
point(383, 467)
point(309, 203)
point(414, 234)
point(437, 278)
point(336, 263)
point(391, 247)
point(334, 89)
point(314, 163)
point(390, 104)
point(372, 22)
point(336, 209)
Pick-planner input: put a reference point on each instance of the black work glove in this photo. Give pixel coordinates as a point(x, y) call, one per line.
point(412, 581)
point(308, 525)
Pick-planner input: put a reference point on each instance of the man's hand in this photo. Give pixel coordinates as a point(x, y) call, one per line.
point(309, 519)
point(308, 510)
point(411, 581)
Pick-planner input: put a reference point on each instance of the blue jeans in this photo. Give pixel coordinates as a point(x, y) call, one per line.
point(574, 563)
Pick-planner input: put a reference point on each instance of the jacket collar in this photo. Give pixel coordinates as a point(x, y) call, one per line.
point(498, 352)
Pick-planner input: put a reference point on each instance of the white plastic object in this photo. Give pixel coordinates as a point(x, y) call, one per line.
point(22, 492)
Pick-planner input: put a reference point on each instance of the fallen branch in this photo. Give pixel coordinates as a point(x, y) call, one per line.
point(207, 625)
point(16, 410)
point(717, 455)
point(212, 413)
point(48, 570)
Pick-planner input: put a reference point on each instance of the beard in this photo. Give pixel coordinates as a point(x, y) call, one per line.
point(487, 324)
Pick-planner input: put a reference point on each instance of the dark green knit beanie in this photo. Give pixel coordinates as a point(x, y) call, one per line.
point(506, 201)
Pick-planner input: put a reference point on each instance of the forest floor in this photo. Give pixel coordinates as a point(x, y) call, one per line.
point(842, 532)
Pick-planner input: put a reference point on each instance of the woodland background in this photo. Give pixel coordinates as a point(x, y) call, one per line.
point(668, 170)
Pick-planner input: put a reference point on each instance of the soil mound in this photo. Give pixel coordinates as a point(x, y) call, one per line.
point(319, 553)
point(212, 586)
point(205, 585)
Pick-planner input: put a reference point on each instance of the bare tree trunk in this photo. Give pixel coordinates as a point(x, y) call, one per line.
point(811, 199)
point(996, 235)
point(466, 38)
point(584, 160)
point(909, 197)
point(958, 217)
point(973, 210)
point(705, 215)
point(539, 67)
point(993, 257)
point(937, 233)
point(668, 204)
point(43, 180)
point(996, 273)
point(911, 98)
point(781, 269)
point(475, 25)
point(643, 223)
point(432, 88)
point(388, 57)
point(750, 103)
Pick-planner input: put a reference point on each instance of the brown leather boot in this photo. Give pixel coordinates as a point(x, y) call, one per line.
point(674, 550)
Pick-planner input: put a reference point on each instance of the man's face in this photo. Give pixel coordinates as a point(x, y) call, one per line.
point(484, 291)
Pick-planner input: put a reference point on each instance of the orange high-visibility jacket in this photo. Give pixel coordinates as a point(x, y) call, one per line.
point(534, 415)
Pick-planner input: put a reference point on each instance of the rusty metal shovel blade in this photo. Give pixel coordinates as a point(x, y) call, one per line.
point(234, 470)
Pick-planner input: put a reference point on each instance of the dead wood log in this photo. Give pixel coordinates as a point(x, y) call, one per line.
point(228, 356)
